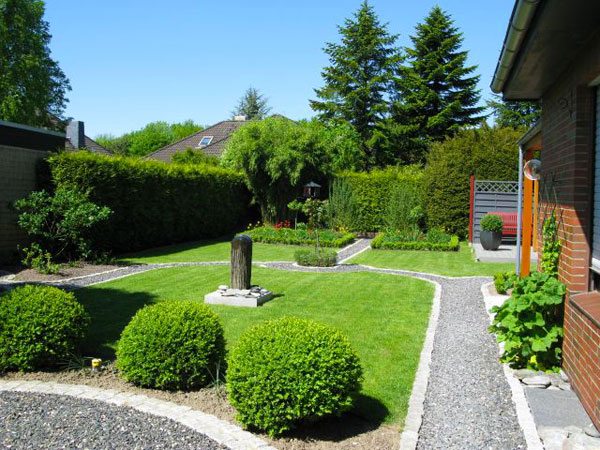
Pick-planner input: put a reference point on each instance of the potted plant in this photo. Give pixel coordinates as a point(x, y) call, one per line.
point(491, 232)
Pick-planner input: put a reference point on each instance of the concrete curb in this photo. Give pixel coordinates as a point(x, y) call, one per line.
point(524, 415)
point(220, 431)
point(414, 418)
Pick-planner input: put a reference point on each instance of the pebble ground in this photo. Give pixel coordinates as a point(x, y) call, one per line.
point(32, 420)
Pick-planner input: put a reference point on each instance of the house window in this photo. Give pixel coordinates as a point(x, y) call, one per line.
point(596, 231)
point(206, 140)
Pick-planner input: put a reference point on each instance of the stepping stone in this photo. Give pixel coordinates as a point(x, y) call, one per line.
point(537, 381)
point(524, 373)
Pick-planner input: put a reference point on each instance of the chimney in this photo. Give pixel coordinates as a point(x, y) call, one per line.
point(240, 118)
point(76, 134)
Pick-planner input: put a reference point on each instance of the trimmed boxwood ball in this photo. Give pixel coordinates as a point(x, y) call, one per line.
point(172, 345)
point(40, 327)
point(288, 370)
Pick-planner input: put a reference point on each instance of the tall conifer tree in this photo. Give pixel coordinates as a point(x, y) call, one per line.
point(358, 79)
point(435, 91)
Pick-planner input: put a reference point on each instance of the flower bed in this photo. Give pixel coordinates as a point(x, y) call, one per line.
point(436, 241)
point(299, 236)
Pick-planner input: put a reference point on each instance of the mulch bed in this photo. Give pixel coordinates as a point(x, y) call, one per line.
point(349, 431)
point(66, 271)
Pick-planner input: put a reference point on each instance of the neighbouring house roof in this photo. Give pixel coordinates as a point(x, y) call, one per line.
point(219, 132)
point(542, 40)
point(90, 145)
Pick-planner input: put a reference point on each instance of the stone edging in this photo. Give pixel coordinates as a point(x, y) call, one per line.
point(414, 417)
point(218, 430)
point(524, 415)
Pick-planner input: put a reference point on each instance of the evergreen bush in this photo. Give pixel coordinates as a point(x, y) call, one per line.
point(492, 222)
point(40, 327)
point(172, 345)
point(288, 370)
point(316, 257)
point(154, 203)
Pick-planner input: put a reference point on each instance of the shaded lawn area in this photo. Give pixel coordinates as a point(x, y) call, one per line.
point(384, 316)
point(454, 264)
point(208, 250)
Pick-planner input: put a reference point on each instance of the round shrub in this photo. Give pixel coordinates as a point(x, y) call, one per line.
point(171, 345)
point(492, 222)
point(288, 370)
point(40, 327)
point(325, 257)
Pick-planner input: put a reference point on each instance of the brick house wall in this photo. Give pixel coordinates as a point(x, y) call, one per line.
point(568, 137)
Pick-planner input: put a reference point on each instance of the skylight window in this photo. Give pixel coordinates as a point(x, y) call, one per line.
point(206, 140)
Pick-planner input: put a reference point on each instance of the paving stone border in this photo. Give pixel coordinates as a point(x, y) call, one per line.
point(218, 430)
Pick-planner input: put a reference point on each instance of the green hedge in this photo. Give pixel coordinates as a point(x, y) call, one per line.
point(154, 203)
point(310, 257)
point(373, 191)
point(488, 153)
point(290, 236)
point(382, 241)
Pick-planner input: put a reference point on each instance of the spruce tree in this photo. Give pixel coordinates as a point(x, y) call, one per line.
point(253, 105)
point(435, 91)
point(357, 81)
point(514, 114)
point(32, 85)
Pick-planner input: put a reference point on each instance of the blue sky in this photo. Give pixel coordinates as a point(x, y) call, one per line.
point(132, 62)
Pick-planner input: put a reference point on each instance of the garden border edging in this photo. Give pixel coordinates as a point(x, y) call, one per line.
point(216, 429)
point(414, 417)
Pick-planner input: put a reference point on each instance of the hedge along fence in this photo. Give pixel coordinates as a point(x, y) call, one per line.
point(374, 192)
point(154, 203)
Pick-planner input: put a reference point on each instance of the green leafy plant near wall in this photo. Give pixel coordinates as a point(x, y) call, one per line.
point(551, 247)
point(154, 203)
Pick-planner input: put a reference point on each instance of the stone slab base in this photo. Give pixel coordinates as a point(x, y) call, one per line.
point(218, 298)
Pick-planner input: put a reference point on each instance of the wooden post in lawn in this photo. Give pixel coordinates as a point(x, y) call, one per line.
point(241, 262)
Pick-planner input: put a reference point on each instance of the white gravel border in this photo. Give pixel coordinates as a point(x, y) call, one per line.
point(218, 430)
point(414, 417)
point(524, 415)
point(358, 241)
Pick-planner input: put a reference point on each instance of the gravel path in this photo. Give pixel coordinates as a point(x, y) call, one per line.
point(353, 249)
point(468, 403)
point(51, 421)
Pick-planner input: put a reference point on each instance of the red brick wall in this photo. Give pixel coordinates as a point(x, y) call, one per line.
point(568, 136)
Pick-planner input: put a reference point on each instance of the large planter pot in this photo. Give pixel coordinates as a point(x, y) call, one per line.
point(490, 240)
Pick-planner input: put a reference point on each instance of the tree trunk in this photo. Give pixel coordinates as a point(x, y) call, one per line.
point(241, 262)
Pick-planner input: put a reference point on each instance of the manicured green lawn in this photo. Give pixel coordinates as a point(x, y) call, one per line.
point(384, 316)
point(209, 250)
point(454, 264)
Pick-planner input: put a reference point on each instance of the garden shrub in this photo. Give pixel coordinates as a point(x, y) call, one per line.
point(288, 370)
point(61, 225)
point(488, 153)
point(400, 241)
point(341, 206)
point(154, 203)
point(492, 222)
point(530, 323)
point(173, 345)
point(551, 247)
point(299, 236)
point(384, 198)
point(40, 327)
point(316, 257)
point(503, 281)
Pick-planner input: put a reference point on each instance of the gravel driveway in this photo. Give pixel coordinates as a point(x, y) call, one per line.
point(44, 421)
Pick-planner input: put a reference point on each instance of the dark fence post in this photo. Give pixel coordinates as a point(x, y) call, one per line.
point(241, 262)
point(472, 208)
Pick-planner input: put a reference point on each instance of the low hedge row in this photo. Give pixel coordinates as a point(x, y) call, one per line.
point(291, 236)
point(381, 241)
point(325, 257)
point(154, 203)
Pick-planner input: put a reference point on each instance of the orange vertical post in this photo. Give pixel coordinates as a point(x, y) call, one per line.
point(536, 214)
point(527, 221)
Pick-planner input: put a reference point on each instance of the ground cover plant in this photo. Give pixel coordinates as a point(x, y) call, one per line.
point(208, 250)
point(383, 316)
point(300, 236)
point(319, 257)
point(40, 327)
point(287, 370)
point(435, 240)
point(454, 264)
point(175, 345)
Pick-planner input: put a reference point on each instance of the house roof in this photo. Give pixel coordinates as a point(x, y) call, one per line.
point(90, 145)
point(220, 133)
point(542, 40)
